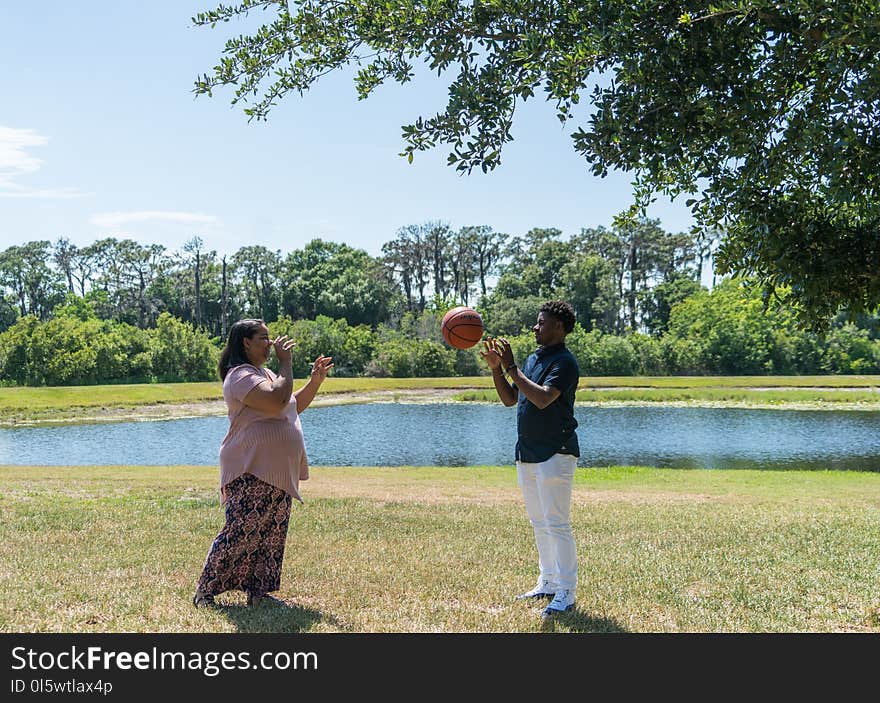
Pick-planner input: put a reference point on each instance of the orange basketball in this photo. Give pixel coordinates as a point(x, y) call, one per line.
point(462, 327)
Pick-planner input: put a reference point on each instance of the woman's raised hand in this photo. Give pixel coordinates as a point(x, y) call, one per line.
point(283, 344)
point(321, 368)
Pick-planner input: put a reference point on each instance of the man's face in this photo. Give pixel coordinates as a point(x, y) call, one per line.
point(545, 329)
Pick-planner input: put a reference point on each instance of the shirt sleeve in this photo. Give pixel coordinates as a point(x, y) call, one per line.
point(562, 375)
point(241, 381)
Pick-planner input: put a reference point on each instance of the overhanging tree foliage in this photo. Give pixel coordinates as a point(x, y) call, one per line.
point(764, 114)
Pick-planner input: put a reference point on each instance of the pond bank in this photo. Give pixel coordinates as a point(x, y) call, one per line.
point(212, 408)
point(217, 408)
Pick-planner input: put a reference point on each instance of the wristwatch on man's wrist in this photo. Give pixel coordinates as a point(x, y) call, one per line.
point(512, 366)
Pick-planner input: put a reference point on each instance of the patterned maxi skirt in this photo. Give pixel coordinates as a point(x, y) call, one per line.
point(248, 552)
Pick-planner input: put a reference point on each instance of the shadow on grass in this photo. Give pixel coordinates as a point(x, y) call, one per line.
point(576, 620)
point(274, 615)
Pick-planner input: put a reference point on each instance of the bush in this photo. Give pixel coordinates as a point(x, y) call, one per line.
point(510, 316)
point(16, 355)
point(70, 350)
point(648, 355)
point(601, 354)
point(350, 347)
point(848, 349)
point(432, 359)
point(399, 358)
point(60, 349)
point(393, 358)
point(612, 356)
point(468, 362)
point(683, 356)
point(182, 353)
point(730, 332)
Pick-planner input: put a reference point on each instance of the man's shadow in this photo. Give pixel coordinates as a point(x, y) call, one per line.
point(576, 620)
point(274, 615)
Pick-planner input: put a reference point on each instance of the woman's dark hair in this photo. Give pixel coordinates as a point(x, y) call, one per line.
point(233, 353)
point(562, 311)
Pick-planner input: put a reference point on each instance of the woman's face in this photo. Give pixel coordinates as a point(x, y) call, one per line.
point(258, 347)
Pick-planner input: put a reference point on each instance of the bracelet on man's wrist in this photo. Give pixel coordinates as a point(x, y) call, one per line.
point(512, 366)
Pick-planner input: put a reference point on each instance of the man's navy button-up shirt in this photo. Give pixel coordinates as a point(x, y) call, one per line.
point(543, 433)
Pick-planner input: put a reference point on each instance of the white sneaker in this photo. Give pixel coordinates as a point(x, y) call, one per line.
point(544, 589)
point(562, 601)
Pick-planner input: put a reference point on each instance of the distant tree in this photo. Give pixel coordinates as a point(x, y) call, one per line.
point(463, 262)
point(257, 270)
point(587, 282)
point(436, 235)
point(536, 263)
point(109, 277)
point(224, 302)
point(409, 257)
point(336, 280)
point(64, 255)
point(25, 272)
point(397, 264)
point(640, 255)
point(659, 301)
point(728, 331)
point(488, 246)
point(83, 262)
point(8, 311)
point(140, 265)
point(194, 247)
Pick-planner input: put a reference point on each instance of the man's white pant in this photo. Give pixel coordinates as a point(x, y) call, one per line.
point(546, 488)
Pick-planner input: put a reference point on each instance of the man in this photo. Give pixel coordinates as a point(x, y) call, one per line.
point(547, 446)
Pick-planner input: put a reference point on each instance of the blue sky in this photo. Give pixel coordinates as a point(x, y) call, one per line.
point(100, 135)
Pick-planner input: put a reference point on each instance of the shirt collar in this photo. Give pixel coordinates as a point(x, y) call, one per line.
point(552, 349)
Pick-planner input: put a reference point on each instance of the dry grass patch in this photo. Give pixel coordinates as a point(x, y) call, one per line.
point(423, 549)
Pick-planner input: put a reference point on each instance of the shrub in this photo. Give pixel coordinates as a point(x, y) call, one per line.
point(182, 353)
point(401, 358)
point(848, 349)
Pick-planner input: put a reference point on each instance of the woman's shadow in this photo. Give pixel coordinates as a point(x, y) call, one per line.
point(576, 620)
point(274, 615)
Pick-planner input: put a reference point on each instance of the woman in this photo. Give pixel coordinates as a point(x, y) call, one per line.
point(262, 461)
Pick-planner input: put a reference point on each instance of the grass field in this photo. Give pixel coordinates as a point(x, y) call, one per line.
point(35, 404)
point(119, 548)
point(855, 381)
point(741, 396)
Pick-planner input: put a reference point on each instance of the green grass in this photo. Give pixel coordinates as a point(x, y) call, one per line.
point(109, 549)
point(56, 397)
point(855, 381)
point(23, 403)
point(811, 396)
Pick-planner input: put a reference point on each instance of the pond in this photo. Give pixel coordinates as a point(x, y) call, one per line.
point(463, 434)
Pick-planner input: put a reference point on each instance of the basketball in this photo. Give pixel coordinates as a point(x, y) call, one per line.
point(462, 327)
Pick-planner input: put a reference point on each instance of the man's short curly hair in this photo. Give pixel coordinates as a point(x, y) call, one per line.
point(562, 311)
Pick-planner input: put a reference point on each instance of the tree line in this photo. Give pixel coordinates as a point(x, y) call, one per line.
point(725, 331)
point(119, 311)
point(622, 279)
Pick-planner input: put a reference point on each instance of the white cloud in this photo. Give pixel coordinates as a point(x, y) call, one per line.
point(16, 161)
point(115, 220)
